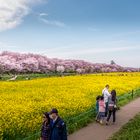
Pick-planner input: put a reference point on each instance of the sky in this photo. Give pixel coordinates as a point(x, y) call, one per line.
point(97, 31)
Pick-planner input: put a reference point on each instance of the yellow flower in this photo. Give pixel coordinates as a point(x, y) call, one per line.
point(22, 102)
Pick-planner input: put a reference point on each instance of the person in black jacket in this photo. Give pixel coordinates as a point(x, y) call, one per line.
point(112, 107)
point(45, 129)
point(58, 127)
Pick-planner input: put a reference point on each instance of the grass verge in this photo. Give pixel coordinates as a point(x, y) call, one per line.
point(130, 131)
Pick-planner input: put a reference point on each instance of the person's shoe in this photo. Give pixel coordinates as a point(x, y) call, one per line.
point(106, 123)
point(101, 122)
point(97, 120)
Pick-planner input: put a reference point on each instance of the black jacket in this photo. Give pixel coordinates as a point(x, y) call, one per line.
point(45, 131)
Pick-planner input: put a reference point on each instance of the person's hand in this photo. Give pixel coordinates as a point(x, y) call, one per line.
point(115, 106)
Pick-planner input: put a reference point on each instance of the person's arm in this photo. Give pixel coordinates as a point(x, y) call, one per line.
point(107, 93)
point(104, 105)
point(103, 91)
point(64, 132)
point(116, 101)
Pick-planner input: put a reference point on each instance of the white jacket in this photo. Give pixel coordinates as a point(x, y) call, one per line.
point(106, 94)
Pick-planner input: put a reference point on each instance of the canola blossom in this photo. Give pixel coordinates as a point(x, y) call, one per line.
point(22, 102)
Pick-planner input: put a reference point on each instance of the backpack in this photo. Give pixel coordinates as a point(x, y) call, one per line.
point(111, 107)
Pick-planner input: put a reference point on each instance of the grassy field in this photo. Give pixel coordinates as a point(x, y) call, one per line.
point(131, 131)
point(6, 77)
point(22, 102)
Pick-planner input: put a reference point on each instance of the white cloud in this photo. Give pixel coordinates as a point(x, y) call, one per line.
point(42, 17)
point(130, 33)
point(13, 11)
point(53, 22)
point(69, 52)
point(123, 55)
point(43, 14)
point(5, 46)
point(92, 49)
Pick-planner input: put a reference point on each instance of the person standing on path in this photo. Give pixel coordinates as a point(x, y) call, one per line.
point(106, 95)
point(101, 109)
point(58, 127)
point(112, 106)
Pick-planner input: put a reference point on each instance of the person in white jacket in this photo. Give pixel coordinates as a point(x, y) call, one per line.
point(106, 95)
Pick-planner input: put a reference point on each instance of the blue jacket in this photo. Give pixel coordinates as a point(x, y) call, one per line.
point(58, 130)
point(97, 106)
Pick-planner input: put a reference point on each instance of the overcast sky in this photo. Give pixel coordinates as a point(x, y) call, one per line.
point(92, 30)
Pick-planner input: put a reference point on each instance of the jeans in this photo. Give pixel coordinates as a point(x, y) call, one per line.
point(101, 115)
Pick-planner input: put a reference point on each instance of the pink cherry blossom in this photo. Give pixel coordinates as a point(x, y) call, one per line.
point(23, 63)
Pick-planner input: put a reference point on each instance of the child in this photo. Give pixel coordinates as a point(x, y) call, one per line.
point(101, 109)
point(97, 108)
point(45, 130)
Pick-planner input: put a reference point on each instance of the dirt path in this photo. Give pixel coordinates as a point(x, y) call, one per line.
point(95, 131)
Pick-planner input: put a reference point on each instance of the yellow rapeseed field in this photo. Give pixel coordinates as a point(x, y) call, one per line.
point(22, 102)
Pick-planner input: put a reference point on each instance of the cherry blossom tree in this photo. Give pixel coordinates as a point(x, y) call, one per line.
point(11, 62)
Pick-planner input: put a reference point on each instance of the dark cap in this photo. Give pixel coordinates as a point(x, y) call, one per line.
point(54, 110)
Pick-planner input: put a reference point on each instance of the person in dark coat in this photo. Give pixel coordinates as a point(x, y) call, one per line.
point(45, 129)
point(58, 126)
point(112, 107)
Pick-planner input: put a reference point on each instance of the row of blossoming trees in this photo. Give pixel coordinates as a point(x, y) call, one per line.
point(30, 63)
